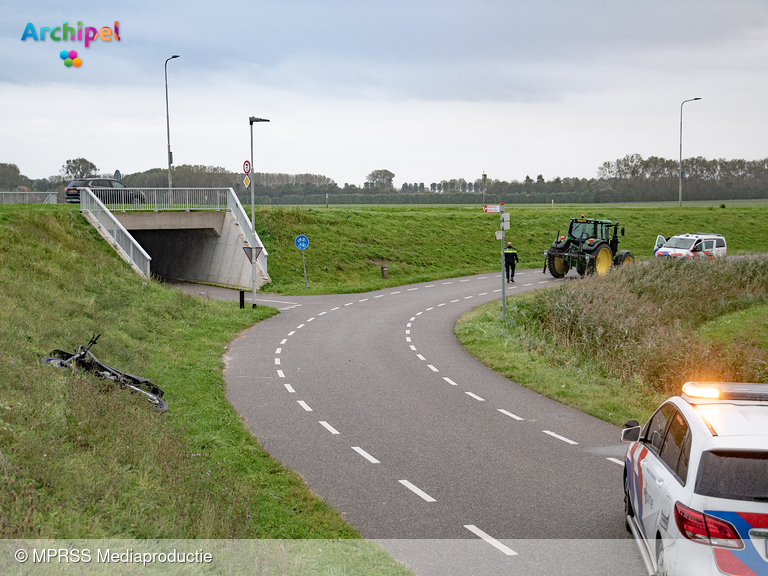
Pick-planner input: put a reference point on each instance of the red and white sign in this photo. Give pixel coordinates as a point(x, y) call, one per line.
point(492, 207)
point(252, 253)
point(247, 167)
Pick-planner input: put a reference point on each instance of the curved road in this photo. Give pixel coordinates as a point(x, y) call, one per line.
point(454, 468)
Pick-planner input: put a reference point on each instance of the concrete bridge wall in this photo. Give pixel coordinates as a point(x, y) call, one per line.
point(193, 246)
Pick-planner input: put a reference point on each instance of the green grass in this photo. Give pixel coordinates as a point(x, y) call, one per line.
point(348, 245)
point(80, 458)
point(616, 346)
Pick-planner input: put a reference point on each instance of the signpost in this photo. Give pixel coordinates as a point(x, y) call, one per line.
point(503, 225)
point(302, 242)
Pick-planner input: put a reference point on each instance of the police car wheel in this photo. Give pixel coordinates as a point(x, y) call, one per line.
point(627, 506)
point(661, 565)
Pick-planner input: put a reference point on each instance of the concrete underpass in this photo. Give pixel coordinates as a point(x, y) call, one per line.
point(193, 246)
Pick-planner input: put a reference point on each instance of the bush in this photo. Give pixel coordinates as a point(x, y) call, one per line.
point(640, 320)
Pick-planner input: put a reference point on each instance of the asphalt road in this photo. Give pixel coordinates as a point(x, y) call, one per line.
point(452, 467)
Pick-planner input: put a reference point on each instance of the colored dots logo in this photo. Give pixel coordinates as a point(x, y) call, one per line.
point(70, 58)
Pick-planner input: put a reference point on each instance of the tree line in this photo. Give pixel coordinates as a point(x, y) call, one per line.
point(628, 179)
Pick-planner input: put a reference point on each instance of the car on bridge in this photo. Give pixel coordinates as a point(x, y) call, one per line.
point(696, 482)
point(108, 190)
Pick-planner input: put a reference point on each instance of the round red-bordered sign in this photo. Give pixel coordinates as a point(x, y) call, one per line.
point(247, 167)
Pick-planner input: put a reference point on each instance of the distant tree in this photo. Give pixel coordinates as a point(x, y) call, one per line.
point(433, 186)
point(421, 186)
point(528, 182)
point(380, 179)
point(10, 177)
point(539, 179)
point(78, 168)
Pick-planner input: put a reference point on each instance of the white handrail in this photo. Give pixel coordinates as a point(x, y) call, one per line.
point(234, 206)
point(121, 238)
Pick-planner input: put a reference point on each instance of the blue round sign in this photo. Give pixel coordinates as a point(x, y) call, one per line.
point(301, 242)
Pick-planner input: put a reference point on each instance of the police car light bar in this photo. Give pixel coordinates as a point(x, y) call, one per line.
point(696, 390)
point(726, 391)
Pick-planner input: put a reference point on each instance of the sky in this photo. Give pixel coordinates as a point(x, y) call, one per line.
point(429, 90)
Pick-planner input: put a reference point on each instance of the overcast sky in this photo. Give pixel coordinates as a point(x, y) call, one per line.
point(428, 90)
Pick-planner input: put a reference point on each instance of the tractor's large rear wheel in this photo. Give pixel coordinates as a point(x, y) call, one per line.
point(601, 260)
point(557, 266)
point(624, 257)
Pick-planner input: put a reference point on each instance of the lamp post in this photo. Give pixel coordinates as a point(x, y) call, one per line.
point(680, 166)
point(251, 120)
point(168, 121)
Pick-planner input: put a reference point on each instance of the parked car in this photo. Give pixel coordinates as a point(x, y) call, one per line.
point(701, 244)
point(696, 481)
point(118, 193)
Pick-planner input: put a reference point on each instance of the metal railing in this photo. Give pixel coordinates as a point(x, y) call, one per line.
point(28, 198)
point(178, 200)
point(234, 206)
point(121, 239)
point(162, 199)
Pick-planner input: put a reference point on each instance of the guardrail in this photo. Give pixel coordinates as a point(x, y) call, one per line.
point(163, 199)
point(28, 198)
point(109, 226)
point(234, 206)
point(178, 200)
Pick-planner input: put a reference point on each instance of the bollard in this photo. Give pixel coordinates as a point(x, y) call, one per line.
point(242, 298)
point(384, 272)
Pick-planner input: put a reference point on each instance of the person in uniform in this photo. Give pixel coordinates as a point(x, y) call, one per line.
point(510, 259)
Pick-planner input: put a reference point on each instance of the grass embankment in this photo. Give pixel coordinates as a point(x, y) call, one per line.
point(80, 458)
point(348, 246)
point(616, 346)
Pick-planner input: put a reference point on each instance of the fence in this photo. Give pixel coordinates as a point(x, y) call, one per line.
point(178, 200)
point(28, 198)
point(105, 221)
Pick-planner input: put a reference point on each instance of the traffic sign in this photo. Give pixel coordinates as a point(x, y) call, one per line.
point(252, 252)
point(247, 181)
point(492, 207)
point(301, 242)
point(247, 167)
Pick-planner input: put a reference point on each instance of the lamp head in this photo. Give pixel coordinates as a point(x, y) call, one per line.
point(253, 119)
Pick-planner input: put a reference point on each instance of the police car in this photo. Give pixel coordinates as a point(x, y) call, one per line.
point(696, 482)
point(699, 245)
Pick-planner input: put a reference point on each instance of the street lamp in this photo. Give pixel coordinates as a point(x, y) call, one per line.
point(251, 120)
point(680, 167)
point(168, 121)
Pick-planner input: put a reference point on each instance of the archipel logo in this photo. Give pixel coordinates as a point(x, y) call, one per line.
point(65, 33)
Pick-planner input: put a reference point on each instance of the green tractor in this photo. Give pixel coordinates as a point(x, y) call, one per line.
point(590, 246)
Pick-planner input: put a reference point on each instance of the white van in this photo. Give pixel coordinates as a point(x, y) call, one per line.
point(699, 245)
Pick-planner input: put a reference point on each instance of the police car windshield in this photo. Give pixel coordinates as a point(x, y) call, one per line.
point(737, 475)
point(680, 243)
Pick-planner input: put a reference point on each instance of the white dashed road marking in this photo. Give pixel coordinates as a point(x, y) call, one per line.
point(290, 389)
point(328, 427)
point(475, 396)
point(280, 374)
point(365, 455)
point(304, 405)
point(433, 368)
point(418, 491)
point(563, 438)
point(451, 382)
point(619, 462)
point(509, 414)
point(492, 541)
